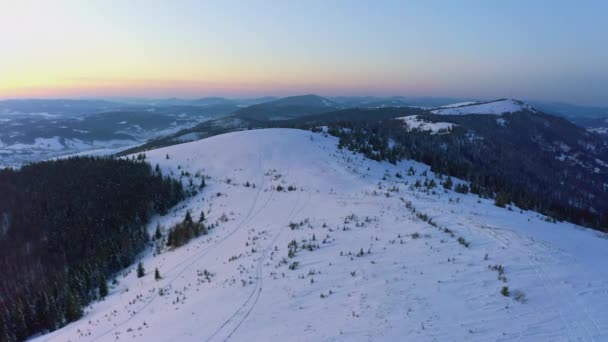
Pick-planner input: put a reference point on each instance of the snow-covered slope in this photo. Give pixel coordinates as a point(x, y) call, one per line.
point(416, 122)
point(369, 264)
point(495, 107)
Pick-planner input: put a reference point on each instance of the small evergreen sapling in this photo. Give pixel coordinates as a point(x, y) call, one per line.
point(140, 270)
point(157, 234)
point(188, 218)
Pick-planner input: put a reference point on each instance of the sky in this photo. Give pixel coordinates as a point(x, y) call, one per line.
point(549, 50)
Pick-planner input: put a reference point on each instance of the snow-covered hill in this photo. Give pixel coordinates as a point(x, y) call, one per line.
point(494, 107)
point(377, 256)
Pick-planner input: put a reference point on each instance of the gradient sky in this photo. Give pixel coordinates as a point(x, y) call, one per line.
point(533, 49)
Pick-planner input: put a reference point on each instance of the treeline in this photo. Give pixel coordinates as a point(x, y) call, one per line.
point(66, 227)
point(516, 163)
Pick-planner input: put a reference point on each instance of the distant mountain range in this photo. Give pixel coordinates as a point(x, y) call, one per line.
point(288, 108)
point(80, 107)
point(38, 129)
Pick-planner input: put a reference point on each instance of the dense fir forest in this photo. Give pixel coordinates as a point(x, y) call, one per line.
point(515, 161)
point(66, 227)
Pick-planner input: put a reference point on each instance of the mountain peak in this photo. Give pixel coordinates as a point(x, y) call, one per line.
point(496, 107)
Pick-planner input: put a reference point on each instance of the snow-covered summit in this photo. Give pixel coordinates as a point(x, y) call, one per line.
point(497, 107)
point(316, 243)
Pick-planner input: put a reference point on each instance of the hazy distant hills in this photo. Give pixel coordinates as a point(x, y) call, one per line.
point(288, 108)
point(393, 101)
point(32, 130)
point(38, 129)
point(286, 111)
point(594, 119)
point(570, 110)
point(57, 107)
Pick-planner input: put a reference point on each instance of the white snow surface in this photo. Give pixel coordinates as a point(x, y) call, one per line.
point(412, 281)
point(459, 104)
point(416, 122)
point(495, 107)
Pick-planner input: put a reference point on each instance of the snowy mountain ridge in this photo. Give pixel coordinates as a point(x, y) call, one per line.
point(314, 242)
point(497, 107)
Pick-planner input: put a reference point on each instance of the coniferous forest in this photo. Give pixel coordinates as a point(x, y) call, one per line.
point(66, 227)
point(516, 164)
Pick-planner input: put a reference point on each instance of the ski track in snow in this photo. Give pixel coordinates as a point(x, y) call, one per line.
point(195, 258)
point(413, 282)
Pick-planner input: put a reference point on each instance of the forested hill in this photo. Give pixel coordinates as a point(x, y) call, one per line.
point(533, 160)
point(66, 227)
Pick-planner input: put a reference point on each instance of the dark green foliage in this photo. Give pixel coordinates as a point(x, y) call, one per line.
point(516, 162)
point(188, 218)
point(183, 232)
point(67, 226)
point(157, 234)
point(463, 242)
point(448, 183)
point(157, 276)
point(505, 291)
point(500, 200)
point(103, 288)
point(461, 188)
point(73, 308)
point(141, 271)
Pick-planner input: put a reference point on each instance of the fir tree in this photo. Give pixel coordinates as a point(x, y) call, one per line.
point(157, 234)
point(140, 270)
point(73, 309)
point(157, 276)
point(188, 218)
point(448, 183)
point(500, 200)
point(103, 288)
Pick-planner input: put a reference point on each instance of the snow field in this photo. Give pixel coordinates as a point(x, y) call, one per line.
point(374, 258)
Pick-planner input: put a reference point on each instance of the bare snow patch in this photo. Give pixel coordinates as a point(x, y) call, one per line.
point(415, 122)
